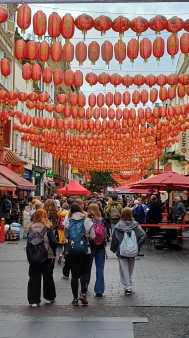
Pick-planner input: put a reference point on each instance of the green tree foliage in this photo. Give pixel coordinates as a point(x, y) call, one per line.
point(100, 181)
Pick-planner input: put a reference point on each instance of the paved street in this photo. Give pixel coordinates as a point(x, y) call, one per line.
point(161, 289)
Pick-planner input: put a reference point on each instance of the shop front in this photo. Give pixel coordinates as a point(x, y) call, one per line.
point(27, 174)
point(38, 176)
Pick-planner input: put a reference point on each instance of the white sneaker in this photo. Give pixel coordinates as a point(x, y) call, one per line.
point(65, 277)
point(50, 301)
point(34, 305)
point(59, 259)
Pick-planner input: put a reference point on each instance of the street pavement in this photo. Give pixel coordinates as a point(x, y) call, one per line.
point(161, 290)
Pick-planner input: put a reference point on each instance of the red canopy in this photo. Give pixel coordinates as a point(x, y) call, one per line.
point(19, 181)
point(73, 188)
point(132, 189)
point(168, 180)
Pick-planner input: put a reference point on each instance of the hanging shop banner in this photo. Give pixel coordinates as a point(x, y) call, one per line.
point(5, 129)
point(184, 135)
point(50, 173)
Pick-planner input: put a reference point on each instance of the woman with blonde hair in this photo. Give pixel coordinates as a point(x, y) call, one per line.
point(98, 245)
point(38, 205)
point(127, 230)
point(42, 224)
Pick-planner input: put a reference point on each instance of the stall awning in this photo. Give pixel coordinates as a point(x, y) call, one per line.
point(7, 185)
point(19, 181)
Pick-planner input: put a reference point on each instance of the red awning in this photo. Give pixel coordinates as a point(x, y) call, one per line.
point(5, 184)
point(73, 188)
point(19, 181)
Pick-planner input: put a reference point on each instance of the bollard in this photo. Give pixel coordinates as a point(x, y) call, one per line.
point(2, 230)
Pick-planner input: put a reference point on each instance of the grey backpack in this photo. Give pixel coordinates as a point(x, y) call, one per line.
point(115, 212)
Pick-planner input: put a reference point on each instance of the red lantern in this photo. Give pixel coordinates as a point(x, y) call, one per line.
point(103, 79)
point(81, 52)
point(84, 23)
point(139, 25)
point(59, 108)
point(103, 113)
point(135, 97)
point(119, 114)
point(28, 120)
point(158, 48)
point(153, 95)
point(145, 49)
point(172, 45)
point(103, 23)
point(163, 94)
point(138, 80)
point(158, 23)
point(183, 79)
point(150, 80)
point(62, 98)
point(78, 79)
point(107, 52)
point(22, 119)
point(40, 105)
point(184, 44)
point(56, 52)
point(109, 99)
point(58, 77)
point(5, 67)
point(31, 51)
point(24, 17)
point(49, 107)
point(117, 99)
point(43, 97)
point(161, 80)
point(3, 14)
point(68, 52)
point(47, 75)
point(33, 96)
point(127, 81)
point(30, 105)
point(67, 111)
point(12, 95)
point(22, 96)
point(54, 25)
point(111, 113)
point(67, 27)
point(96, 113)
point(100, 100)
point(148, 113)
point(43, 52)
point(172, 79)
point(115, 79)
point(13, 103)
point(126, 98)
point(20, 50)
point(181, 91)
point(174, 25)
point(171, 92)
point(36, 73)
point(121, 25)
point(144, 96)
point(69, 78)
point(92, 100)
point(93, 52)
point(89, 113)
point(91, 78)
point(26, 72)
point(132, 49)
point(39, 24)
point(81, 100)
point(120, 51)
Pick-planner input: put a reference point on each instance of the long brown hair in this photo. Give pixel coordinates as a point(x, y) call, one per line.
point(93, 211)
point(52, 211)
point(41, 216)
point(126, 215)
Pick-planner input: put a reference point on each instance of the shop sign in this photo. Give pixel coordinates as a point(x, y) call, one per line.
point(34, 174)
point(183, 143)
point(5, 129)
point(75, 171)
point(50, 173)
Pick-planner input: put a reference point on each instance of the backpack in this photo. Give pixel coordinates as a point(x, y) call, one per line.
point(6, 206)
point(99, 231)
point(35, 249)
point(77, 239)
point(115, 213)
point(129, 245)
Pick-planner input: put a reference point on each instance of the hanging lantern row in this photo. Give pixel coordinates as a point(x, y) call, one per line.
point(31, 50)
point(65, 26)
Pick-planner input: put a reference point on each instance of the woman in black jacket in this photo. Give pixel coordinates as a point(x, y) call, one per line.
point(154, 215)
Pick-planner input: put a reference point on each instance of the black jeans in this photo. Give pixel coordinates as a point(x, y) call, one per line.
point(80, 269)
point(34, 285)
point(66, 268)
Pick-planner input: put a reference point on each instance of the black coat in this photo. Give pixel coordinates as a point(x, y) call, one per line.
point(154, 215)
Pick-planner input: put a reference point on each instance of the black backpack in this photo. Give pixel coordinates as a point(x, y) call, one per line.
point(35, 249)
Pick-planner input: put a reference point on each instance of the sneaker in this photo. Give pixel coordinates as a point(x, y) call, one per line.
point(59, 259)
point(34, 305)
point(83, 299)
point(50, 301)
point(99, 295)
point(75, 302)
point(65, 277)
point(128, 292)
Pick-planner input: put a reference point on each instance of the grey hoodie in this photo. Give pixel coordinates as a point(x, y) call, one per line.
point(87, 223)
point(126, 226)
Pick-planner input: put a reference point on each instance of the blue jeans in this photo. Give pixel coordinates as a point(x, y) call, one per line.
point(113, 227)
point(99, 255)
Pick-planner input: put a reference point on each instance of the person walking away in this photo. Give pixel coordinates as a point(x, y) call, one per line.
point(124, 201)
point(138, 212)
point(26, 202)
point(98, 245)
point(37, 205)
point(53, 214)
point(79, 230)
point(179, 210)
point(114, 209)
point(61, 235)
point(154, 215)
point(127, 240)
point(41, 259)
point(5, 209)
